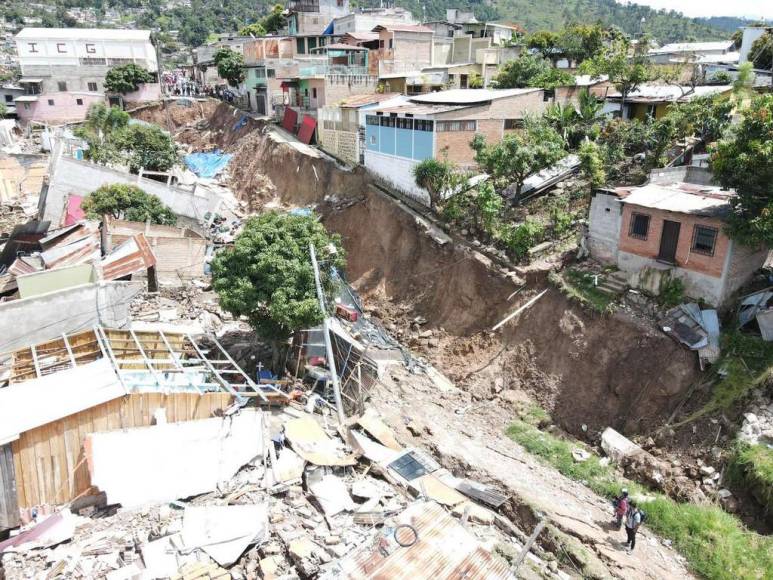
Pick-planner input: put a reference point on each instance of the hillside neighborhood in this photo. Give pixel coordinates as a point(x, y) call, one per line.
point(336, 290)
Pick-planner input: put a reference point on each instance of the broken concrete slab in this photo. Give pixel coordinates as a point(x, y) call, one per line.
point(373, 424)
point(224, 532)
point(330, 492)
point(618, 446)
point(311, 442)
point(176, 460)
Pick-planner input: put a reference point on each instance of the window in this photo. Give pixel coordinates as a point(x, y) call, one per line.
point(387, 121)
point(548, 95)
point(381, 44)
point(9, 98)
point(340, 3)
point(270, 73)
point(403, 123)
point(423, 125)
point(33, 46)
point(312, 43)
point(640, 226)
point(93, 87)
point(61, 48)
point(704, 240)
point(62, 86)
point(91, 48)
point(372, 139)
point(449, 126)
point(314, 93)
point(391, 43)
point(514, 124)
point(91, 61)
point(371, 120)
point(50, 102)
point(119, 61)
point(79, 102)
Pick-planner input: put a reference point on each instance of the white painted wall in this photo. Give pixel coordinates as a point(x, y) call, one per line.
point(397, 172)
point(604, 227)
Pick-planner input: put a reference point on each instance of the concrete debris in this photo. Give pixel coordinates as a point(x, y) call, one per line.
point(580, 455)
point(224, 532)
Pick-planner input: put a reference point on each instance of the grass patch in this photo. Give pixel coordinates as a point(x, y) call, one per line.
point(579, 286)
point(715, 543)
point(747, 361)
point(751, 466)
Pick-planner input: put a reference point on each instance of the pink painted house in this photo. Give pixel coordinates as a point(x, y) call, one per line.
point(56, 107)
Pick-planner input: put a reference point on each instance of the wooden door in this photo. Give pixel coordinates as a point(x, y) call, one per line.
point(669, 240)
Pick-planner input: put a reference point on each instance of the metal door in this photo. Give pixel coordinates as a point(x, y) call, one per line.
point(669, 240)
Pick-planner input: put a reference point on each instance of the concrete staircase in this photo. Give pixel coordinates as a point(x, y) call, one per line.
point(614, 283)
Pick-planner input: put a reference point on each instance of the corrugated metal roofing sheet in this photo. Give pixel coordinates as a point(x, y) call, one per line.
point(469, 96)
point(686, 198)
point(443, 549)
point(132, 255)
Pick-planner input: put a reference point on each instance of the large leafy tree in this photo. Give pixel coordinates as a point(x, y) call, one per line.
point(762, 51)
point(267, 275)
point(126, 78)
point(627, 73)
point(101, 125)
point(530, 70)
point(147, 147)
point(580, 42)
point(439, 177)
point(545, 42)
point(744, 161)
point(518, 155)
point(592, 164)
point(123, 201)
point(230, 66)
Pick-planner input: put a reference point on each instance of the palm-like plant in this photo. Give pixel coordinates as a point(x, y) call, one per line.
point(563, 118)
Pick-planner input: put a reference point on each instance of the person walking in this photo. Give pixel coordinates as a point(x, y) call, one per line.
point(633, 520)
point(621, 508)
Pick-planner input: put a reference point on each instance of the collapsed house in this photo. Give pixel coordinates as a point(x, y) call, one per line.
point(100, 380)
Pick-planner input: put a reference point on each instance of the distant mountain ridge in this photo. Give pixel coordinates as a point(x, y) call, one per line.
point(207, 16)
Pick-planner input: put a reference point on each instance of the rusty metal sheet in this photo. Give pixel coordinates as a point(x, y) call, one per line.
point(77, 252)
point(307, 128)
point(289, 120)
point(132, 255)
point(442, 549)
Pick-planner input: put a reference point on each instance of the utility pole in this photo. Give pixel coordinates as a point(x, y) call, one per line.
point(328, 345)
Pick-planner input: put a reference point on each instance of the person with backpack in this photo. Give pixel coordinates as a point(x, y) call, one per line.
point(633, 519)
point(621, 508)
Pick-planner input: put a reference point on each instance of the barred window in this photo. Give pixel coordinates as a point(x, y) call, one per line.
point(403, 123)
point(448, 126)
point(270, 73)
point(92, 61)
point(704, 240)
point(423, 125)
point(514, 124)
point(119, 61)
point(387, 121)
point(640, 226)
point(371, 120)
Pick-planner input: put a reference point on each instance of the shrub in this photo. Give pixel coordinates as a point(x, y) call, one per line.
point(127, 202)
point(671, 292)
point(521, 238)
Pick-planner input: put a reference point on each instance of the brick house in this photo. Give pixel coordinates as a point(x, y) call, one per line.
point(673, 226)
point(441, 125)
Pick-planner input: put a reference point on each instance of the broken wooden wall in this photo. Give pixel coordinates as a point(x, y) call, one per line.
point(49, 462)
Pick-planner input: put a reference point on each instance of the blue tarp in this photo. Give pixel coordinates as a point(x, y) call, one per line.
point(207, 164)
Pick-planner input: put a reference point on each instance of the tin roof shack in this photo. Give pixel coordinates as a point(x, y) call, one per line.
point(688, 51)
point(441, 124)
point(672, 227)
point(180, 253)
point(54, 394)
point(341, 127)
point(654, 100)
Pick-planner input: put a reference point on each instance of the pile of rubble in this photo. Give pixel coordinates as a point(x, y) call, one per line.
point(322, 501)
point(757, 425)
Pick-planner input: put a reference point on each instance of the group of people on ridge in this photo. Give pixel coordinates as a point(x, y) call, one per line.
point(626, 511)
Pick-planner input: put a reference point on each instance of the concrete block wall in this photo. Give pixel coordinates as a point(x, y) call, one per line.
point(604, 228)
point(342, 144)
point(742, 263)
point(38, 319)
point(396, 172)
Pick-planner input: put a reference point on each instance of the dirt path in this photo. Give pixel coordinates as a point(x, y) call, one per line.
point(469, 437)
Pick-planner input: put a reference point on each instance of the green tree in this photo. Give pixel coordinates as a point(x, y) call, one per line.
point(101, 125)
point(230, 66)
point(146, 147)
point(592, 165)
point(744, 161)
point(546, 43)
point(194, 30)
point(580, 42)
point(518, 155)
point(439, 178)
point(255, 29)
point(126, 78)
point(626, 73)
point(123, 201)
point(275, 20)
point(530, 70)
point(3, 110)
point(267, 275)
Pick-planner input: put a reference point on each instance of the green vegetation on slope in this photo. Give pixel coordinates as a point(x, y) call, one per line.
point(715, 543)
point(751, 466)
point(202, 17)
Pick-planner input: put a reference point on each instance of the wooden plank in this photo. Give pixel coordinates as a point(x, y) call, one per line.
point(29, 473)
point(21, 496)
point(9, 508)
point(59, 461)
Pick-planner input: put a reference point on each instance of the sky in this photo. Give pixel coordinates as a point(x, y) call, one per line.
point(748, 8)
